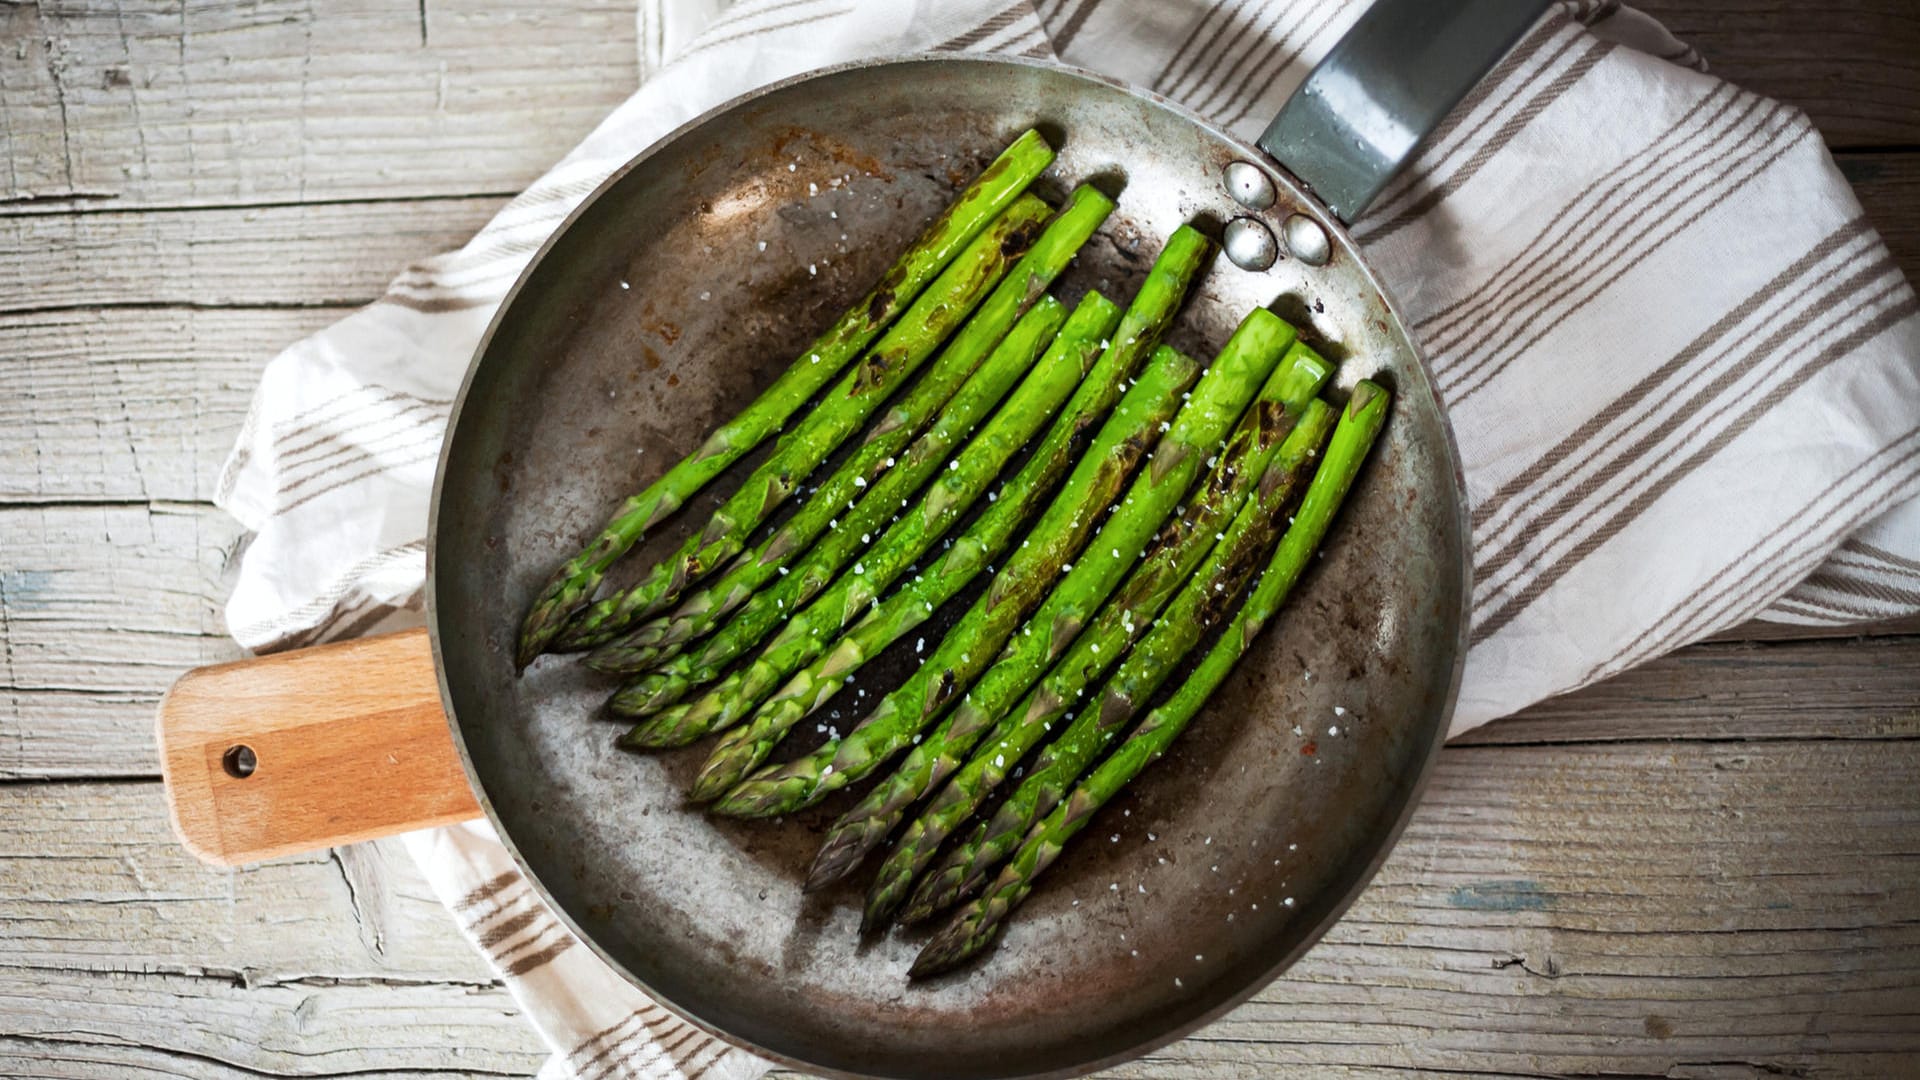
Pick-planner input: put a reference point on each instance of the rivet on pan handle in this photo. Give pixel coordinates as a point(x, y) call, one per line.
point(1364, 110)
point(306, 749)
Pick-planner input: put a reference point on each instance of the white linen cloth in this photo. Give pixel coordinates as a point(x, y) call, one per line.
point(1684, 372)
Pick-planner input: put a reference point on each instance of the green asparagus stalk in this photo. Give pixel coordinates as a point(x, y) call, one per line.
point(1168, 563)
point(894, 359)
point(1202, 603)
point(699, 613)
point(641, 648)
point(805, 638)
point(1056, 377)
point(790, 593)
point(1123, 440)
point(1031, 583)
point(976, 926)
point(572, 586)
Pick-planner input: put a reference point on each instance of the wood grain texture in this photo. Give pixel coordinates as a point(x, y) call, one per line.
point(102, 606)
point(343, 743)
point(1852, 65)
point(132, 403)
point(167, 104)
point(120, 955)
point(301, 255)
point(1619, 910)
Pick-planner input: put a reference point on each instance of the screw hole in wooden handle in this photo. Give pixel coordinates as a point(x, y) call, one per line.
point(306, 749)
point(239, 761)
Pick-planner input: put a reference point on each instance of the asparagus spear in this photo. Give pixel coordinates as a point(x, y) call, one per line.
point(1202, 603)
point(820, 623)
point(1119, 446)
point(572, 586)
point(898, 354)
point(1168, 563)
point(1086, 208)
point(789, 594)
point(1030, 579)
point(809, 634)
point(976, 926)
point(656, 644)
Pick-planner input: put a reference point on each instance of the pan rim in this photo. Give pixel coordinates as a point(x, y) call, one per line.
point(1424, 762)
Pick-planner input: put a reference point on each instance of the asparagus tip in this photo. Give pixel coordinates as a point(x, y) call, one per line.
point(837, 858)
point(959, 942)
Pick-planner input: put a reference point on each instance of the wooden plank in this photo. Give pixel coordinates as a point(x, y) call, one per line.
point(132, 403)
point(1629, 909)
point(120, 953)
point(1834, 689)
point(1852, 65)
point(159, 103)
point(1888, 185)
point(312, 255)
point(101, 608)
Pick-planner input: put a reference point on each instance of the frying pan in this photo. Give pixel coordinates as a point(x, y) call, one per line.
point(654, 313)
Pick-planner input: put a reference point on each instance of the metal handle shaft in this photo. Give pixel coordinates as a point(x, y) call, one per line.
point(1364, 110)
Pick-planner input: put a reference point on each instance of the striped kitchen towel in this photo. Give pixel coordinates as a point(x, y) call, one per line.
point(1684, 371)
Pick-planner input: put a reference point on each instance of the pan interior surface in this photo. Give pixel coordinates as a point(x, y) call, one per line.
point(682, 288)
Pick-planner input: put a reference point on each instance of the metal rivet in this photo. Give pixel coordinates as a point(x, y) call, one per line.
point(1249, 186)
point(1250, 244)
point(1307, 240)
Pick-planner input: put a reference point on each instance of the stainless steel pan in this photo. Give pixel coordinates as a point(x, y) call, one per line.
point(654, 313)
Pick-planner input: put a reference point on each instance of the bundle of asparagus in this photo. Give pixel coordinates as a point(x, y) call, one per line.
point(1119, 572)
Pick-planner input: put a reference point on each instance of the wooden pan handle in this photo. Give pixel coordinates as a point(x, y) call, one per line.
point(307, 749)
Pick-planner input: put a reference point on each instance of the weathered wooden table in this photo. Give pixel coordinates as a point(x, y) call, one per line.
point(1709, 867)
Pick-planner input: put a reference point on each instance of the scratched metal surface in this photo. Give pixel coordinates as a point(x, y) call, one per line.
point(654, 315)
